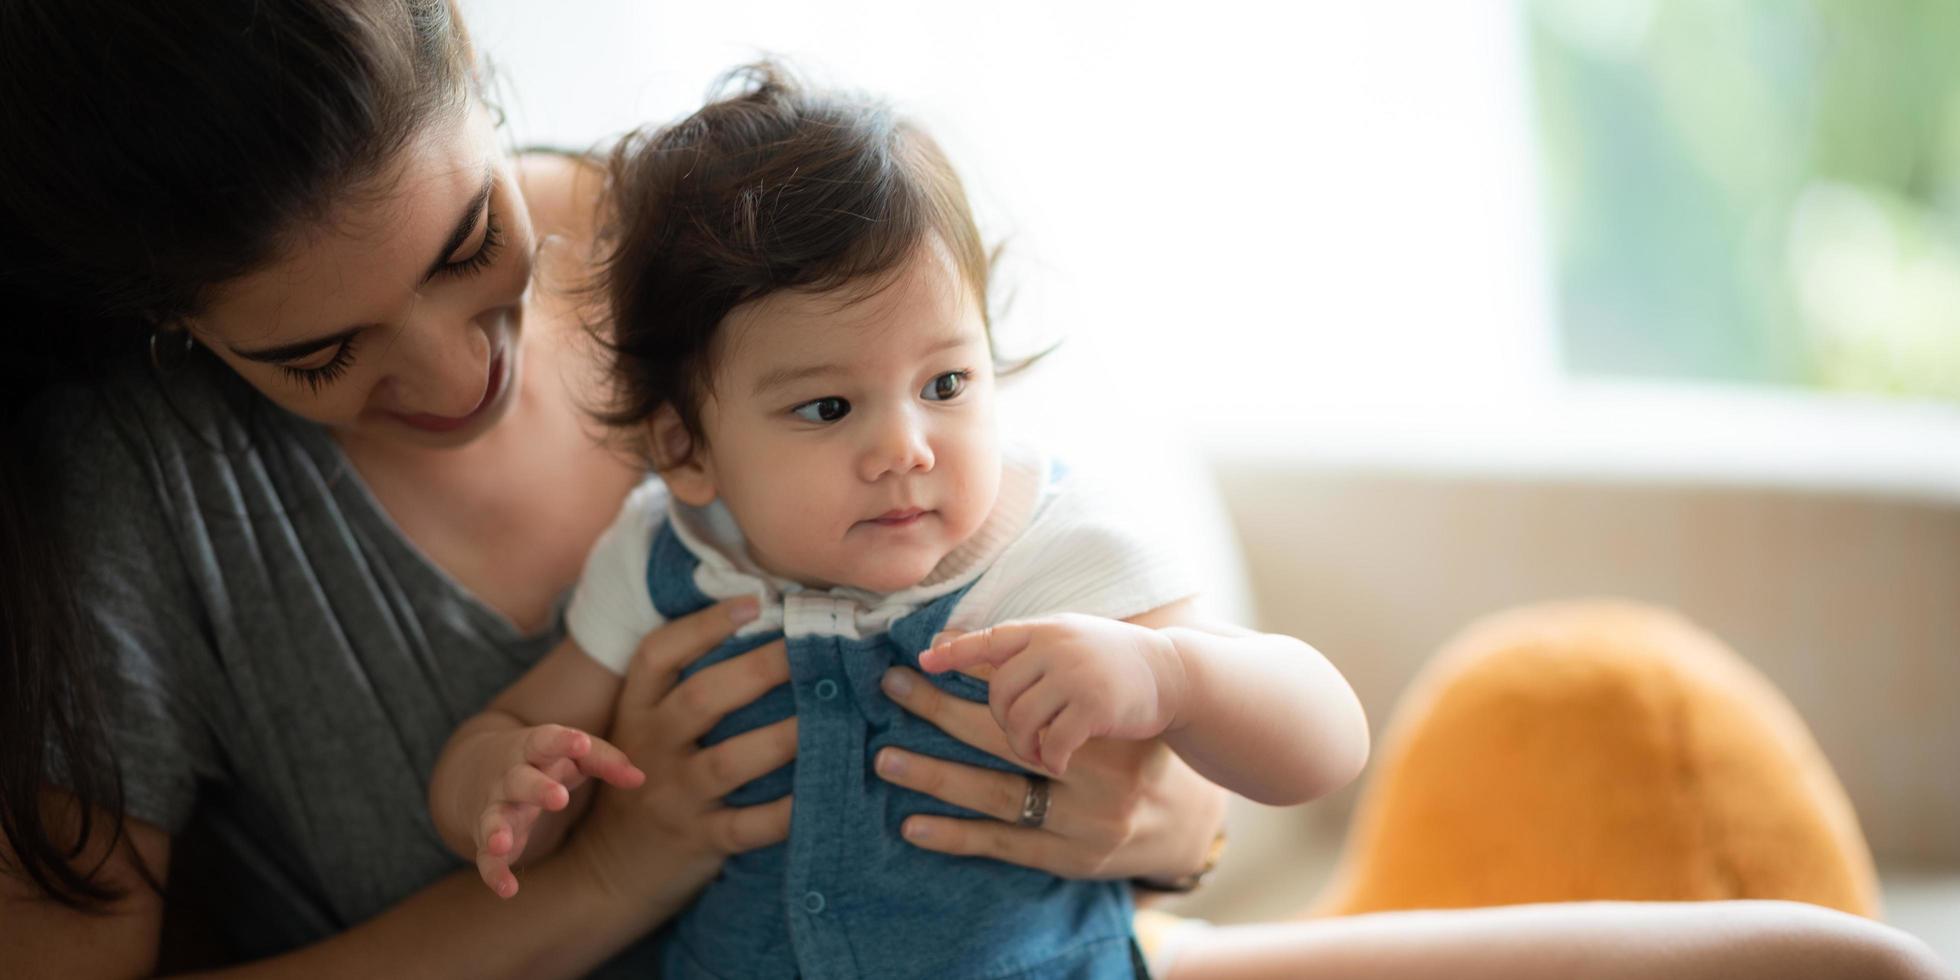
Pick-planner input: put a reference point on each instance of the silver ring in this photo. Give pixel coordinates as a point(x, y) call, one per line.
point(1034, 806)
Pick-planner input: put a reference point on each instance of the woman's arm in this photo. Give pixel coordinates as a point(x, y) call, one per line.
point(564, 925)
point(1736, 940)
point(50, 939)
point(637, 859)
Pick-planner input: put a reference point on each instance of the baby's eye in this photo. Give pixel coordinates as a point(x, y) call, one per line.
point(823, 410)
point(945, 387)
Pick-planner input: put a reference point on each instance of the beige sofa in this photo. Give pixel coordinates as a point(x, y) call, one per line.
point(1844, 591)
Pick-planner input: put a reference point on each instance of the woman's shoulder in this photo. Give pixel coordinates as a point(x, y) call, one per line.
point(143, 418)
point(563, 192)
point(145, 459)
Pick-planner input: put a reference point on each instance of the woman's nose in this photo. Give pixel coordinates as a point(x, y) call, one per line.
point(445, 366)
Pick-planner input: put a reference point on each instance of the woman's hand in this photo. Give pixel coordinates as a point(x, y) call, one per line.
point(673, 831)
point(1124, 809)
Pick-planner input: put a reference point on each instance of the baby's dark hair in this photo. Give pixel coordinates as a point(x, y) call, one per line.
point(776, 186)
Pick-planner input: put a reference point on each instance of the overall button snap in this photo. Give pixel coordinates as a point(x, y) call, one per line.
point(826, 689)
point(813, 902)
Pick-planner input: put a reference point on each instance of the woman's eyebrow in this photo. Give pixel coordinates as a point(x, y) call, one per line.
point(464, 225)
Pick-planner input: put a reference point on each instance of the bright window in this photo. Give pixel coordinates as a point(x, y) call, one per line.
point(1755, 190)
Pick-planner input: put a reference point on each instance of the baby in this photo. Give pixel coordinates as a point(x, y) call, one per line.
point(801, 343)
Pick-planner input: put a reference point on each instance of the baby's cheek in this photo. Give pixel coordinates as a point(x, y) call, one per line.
point(807, 517)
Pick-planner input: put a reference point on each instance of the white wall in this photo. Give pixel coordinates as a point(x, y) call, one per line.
point(1226, 207)
point(1315, 224)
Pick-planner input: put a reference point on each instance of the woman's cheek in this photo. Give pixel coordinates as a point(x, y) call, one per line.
point(514, 272)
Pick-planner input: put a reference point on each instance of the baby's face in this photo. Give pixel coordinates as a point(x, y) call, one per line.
point(851, 433)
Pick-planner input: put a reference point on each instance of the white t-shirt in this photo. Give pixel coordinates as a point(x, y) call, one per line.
point(1047, 547)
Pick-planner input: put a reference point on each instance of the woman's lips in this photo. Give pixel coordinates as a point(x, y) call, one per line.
point(445, 423)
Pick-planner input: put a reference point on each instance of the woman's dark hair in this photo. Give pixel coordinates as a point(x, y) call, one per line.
point(774, 187)
point(154, 152)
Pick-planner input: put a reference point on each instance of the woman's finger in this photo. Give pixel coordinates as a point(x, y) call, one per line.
point(704, 698)
point(604, 761)
point(719, 769)
point(987, 791)
point(968, 721)
point(746, 828)
point(1025, 846)
point(662, 654)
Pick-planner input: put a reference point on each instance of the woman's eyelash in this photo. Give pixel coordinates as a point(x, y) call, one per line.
point(493, 239)
point(326, 374)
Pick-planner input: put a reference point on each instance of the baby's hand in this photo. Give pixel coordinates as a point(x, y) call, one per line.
point(1060, 681)
point(542, 766)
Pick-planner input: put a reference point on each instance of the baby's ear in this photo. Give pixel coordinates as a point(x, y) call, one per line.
point(682, 464)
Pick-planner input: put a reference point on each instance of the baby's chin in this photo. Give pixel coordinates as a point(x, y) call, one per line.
point(889, 577)
point(840, 571)
point(886, 582)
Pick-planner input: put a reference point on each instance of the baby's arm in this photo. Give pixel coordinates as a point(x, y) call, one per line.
point(1263, 715)
point(503, 788)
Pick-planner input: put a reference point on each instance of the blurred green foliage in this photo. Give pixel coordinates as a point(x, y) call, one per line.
point(1755, 190)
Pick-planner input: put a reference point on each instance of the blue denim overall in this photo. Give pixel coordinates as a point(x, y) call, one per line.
point(846, 896)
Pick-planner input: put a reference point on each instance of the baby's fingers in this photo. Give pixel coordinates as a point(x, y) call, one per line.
point(502, 829)
point(528, 784)
point(605, 761)
point(500, 837)
point(1027, 715)
point(1065, 734)
point(1027, 746)
point(495, 872)
point(994, 645)
point(546, 743)
point(1025, 740)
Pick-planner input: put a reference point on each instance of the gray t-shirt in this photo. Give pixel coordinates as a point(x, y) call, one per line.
point(284, 665)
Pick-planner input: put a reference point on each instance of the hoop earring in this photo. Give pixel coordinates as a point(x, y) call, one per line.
point(156, 361)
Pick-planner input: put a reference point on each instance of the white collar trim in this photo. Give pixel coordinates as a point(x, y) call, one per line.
point(726, 570)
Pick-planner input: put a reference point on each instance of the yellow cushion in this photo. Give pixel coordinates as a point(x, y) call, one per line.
point(1597, 750)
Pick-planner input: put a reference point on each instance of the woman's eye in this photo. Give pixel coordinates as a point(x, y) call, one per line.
point(485, 254)
point(823, 410)
point(945, 387)
point(316, 378)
